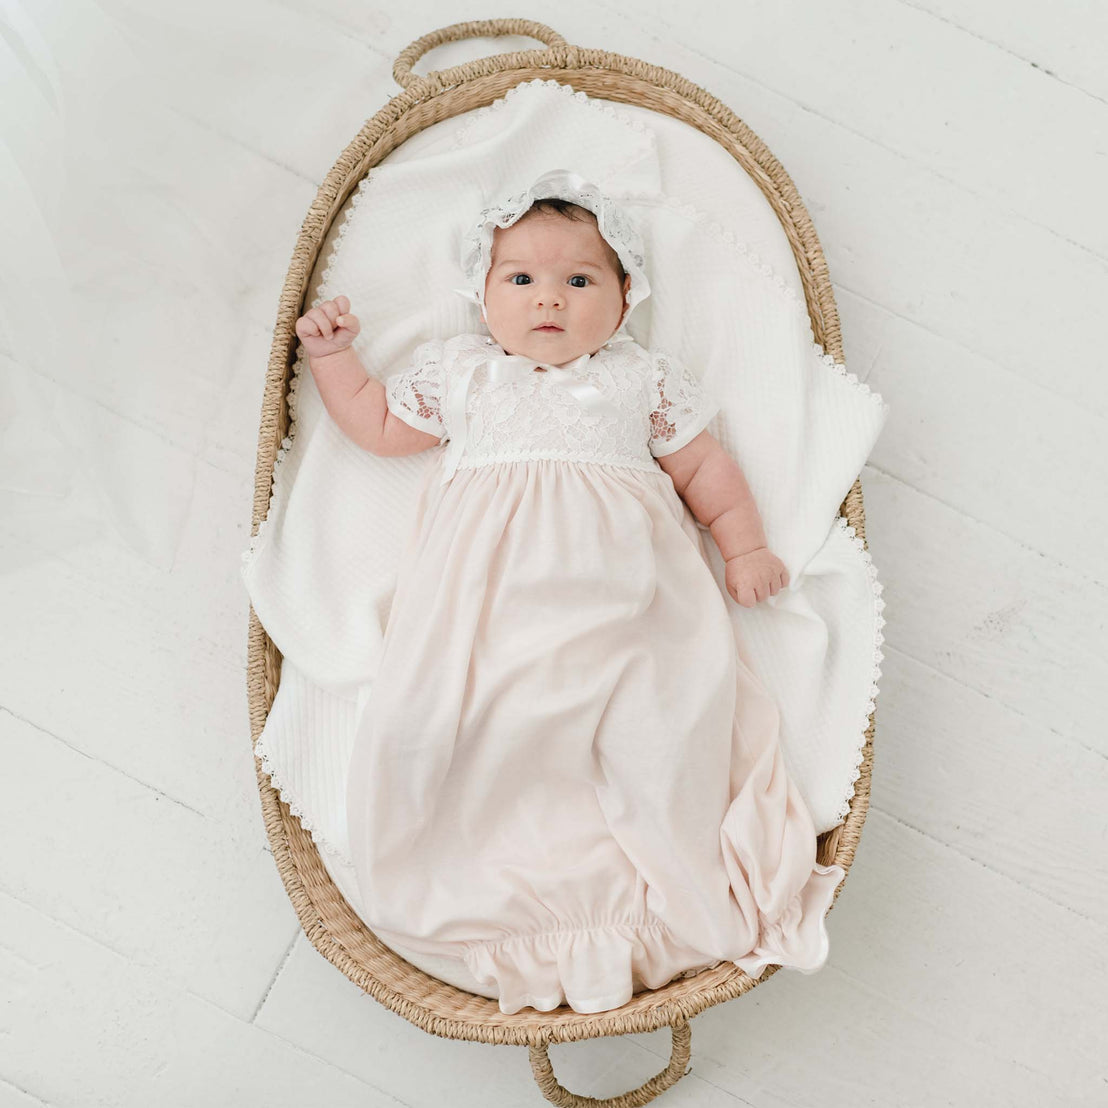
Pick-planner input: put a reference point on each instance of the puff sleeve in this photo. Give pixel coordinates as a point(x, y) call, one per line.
point(682, 407)
point(417, 395)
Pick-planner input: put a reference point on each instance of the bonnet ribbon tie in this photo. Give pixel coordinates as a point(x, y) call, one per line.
point(511, 367)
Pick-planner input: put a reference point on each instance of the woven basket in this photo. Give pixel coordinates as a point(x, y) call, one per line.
point(328, 921)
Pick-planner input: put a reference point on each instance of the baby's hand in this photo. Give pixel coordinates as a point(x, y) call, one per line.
point(753, 576)
point(328, 328)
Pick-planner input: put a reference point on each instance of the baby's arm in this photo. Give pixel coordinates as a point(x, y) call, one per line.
point(353, 399)
point(713, 486)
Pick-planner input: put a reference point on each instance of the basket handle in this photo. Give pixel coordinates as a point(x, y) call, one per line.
point(476, 28)
point(561, 1096)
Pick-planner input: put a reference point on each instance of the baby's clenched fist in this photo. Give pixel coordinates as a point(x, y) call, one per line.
point(755, 575)
point(328, 328)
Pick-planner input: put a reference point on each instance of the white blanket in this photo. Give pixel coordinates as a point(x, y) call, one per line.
point(726, 298)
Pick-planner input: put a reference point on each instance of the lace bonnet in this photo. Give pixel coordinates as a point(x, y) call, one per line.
point(615, 226)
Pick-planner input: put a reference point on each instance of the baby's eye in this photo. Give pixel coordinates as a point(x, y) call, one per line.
point(579, 277)
point(526, 280)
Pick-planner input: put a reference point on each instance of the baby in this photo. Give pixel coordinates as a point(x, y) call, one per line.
point(555, 290)
point(565, 782)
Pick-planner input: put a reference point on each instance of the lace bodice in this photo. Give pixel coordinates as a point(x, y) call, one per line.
point(655, 405)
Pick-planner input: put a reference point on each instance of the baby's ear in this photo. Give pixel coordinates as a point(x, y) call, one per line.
point(626, 290)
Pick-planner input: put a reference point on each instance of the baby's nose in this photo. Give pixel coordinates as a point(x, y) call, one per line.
point(548, 296)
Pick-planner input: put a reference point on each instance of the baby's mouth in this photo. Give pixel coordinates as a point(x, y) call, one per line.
point(548, 327)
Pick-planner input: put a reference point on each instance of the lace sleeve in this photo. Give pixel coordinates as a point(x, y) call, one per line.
point(418, 394)
point(682, 406)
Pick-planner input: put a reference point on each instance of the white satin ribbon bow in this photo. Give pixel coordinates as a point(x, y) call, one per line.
point(510, 367)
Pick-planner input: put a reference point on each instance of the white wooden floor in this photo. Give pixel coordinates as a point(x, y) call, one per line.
point(954, 157)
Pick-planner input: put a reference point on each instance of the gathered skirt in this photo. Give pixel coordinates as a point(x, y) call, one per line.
point(566, 775)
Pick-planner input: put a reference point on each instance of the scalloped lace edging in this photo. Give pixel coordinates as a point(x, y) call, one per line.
point(290, 797)
point(877, 656)
point(851, 378)
point(355, 200)
point(714, 229)
point(598, 105)
point(277, 492)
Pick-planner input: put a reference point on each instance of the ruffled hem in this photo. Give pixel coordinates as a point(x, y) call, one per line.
point(798, 938)
point(599, 968)
point(591, 969)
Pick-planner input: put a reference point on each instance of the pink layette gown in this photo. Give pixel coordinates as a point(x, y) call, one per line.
point(565, 777)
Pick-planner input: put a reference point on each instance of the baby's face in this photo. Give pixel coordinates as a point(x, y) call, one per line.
point(547, 268)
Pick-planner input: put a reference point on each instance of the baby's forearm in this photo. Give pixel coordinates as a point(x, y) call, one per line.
point(713, 486)
point(722, 501)
point(353, 399)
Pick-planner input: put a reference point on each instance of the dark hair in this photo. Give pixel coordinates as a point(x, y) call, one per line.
point(556, 206)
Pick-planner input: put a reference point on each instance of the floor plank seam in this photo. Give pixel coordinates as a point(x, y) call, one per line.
point(1005, 50)
point(103, 762)
point(1052, 558)
point(955, 848)
point(1064, 736)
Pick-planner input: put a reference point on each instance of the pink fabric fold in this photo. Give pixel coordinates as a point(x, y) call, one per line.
point(566, 776)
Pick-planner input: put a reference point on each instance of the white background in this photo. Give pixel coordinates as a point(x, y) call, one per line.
point(157, 160)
